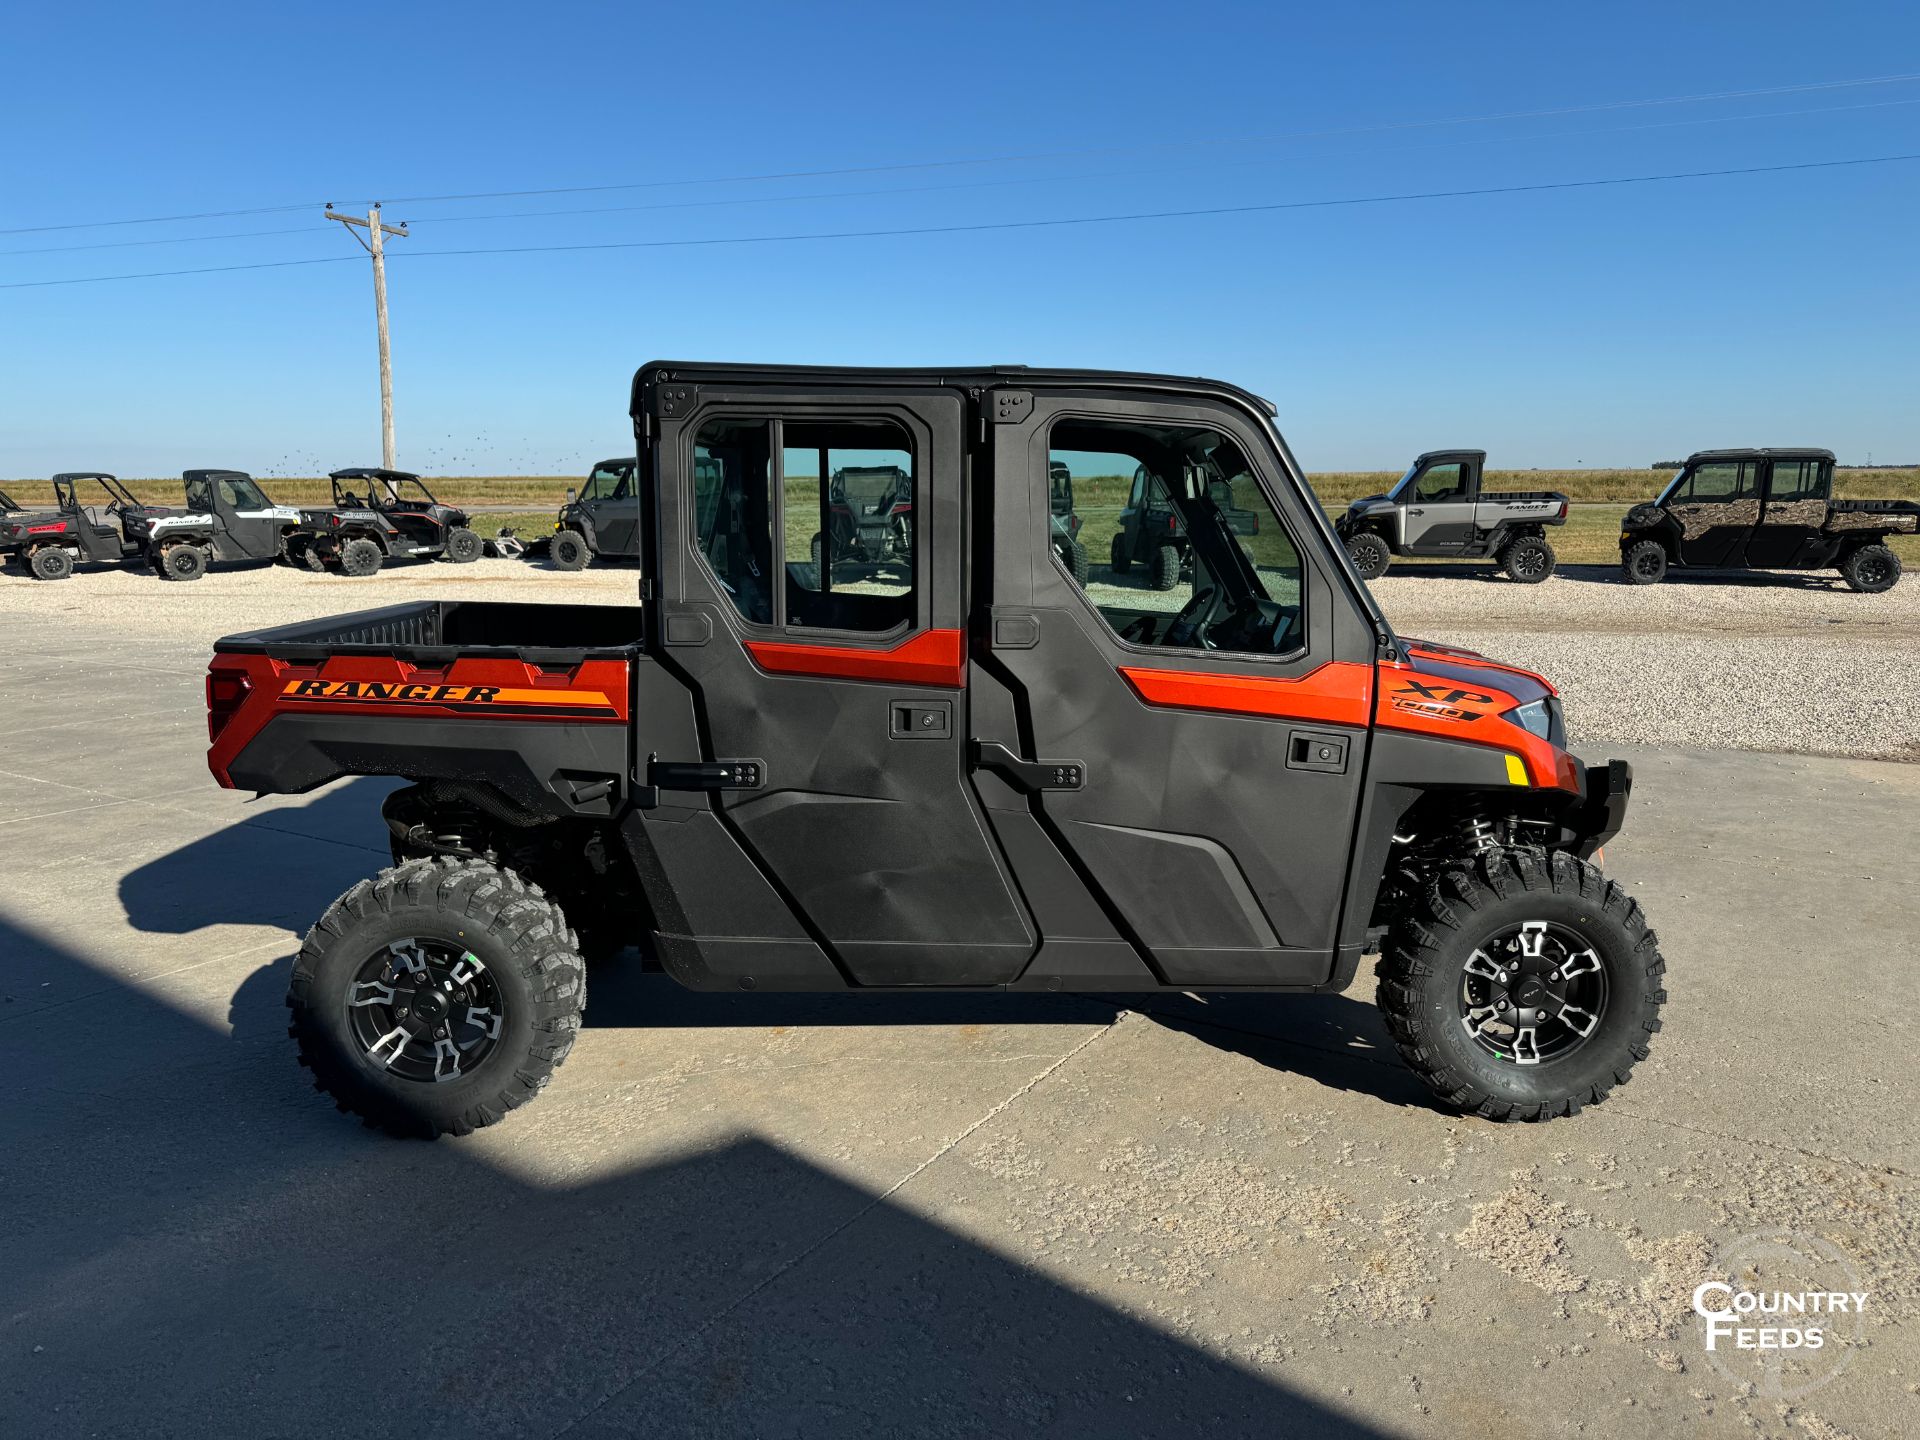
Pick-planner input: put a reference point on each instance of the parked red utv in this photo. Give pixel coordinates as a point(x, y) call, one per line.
point(976, 775)
point(87, 526)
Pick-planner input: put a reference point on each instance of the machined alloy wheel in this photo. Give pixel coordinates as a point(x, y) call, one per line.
point(437, 997)
point(1528, 560)
point(1370, 554)
point(1534, 992)
point(1522, 985)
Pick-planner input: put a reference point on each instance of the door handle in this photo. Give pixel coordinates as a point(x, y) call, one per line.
point(1317, 750)
point(1416, 512)
point(1028, 775)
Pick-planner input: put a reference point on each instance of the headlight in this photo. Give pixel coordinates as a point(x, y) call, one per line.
point(1535, 717)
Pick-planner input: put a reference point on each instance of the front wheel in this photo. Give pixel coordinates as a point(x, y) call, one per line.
point(569, 550)
point(51, 562)
point(437, 997)
point(1870, 569)
point(1644, 563)
point(1523, 986)
point(463, 546)
point(1370, 554)
point(1528, 560)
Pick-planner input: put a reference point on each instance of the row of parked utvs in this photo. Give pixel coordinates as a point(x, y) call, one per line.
point(376, 515)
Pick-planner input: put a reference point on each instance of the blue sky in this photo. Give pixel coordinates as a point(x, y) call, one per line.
point(1604, 325)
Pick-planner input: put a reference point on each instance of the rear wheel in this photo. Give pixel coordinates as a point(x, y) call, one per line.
point(463, 546)
point(818, 549)
point(1529, 560)
point(1370, 554)
point(1870, 569)
point(1523, 986)
point(569, 550)
point(185, 561)
point(360, 558)
point(1073, 555)
point(437, 997)
point(51, 562)
point(1644, 563)
point(1118, 560)
point(1166, 567)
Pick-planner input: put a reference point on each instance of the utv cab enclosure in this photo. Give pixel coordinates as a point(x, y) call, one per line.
point(227, 517)
point(379, 515)
point(602, 519)
point(1764, 510)
point(963, 772)
point(87, 525)
point(1440, 508)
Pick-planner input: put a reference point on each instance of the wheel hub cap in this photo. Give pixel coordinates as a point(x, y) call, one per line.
point(1533, 992)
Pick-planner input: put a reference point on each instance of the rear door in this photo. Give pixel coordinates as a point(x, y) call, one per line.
point(1176, 773)
point(1792, 511)
point(1716, 505)
point(841, 693)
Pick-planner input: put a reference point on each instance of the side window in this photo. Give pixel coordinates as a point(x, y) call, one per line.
point(1442, 482)
point(1721, 480)
point(1204, 564)
point(849, 525)
point(1798, 480)
point(199, 495)
point(734, 530)
point(243, 495)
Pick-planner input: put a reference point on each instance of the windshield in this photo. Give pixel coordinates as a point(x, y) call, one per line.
point(1672, 484)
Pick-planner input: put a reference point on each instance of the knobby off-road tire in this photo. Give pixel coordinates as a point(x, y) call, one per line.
point(183, 562)
point(1424, 975)
point(1644, 563)
point(51, 562)
point(1870, 569)
point(1370, 555)
point(463, 546)
point(1118, 560)
point(360, 558)
point(524, 950)
point(1073, 555)
point(1528, 560)
point(1166, 567)
point(569, 550)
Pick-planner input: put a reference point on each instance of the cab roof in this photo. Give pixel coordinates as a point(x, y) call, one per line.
point(84, 475)
point(980, 376)
point(1431, 457)
point(370, 472)
point(1788, 452)
point(214, 475)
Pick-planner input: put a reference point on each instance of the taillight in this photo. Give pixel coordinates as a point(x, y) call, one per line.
point(1563, 509)
point(1173, 524)
point(227, 691)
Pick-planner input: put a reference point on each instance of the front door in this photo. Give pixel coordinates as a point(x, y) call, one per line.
point(249, 526)
point(1793, 512)
point(1439, 510)
point(1717, 505)
point(614, 508)
point(839, 689)
point(1175, 773)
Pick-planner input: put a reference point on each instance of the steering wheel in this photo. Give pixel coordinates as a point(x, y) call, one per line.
point(1188, 627)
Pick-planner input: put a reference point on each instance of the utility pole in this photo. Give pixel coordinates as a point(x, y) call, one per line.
point(376, 231)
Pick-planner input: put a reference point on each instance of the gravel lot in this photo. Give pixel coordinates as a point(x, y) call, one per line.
point(1772, 662)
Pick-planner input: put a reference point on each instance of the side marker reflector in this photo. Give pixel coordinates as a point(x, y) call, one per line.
point(1516, 770)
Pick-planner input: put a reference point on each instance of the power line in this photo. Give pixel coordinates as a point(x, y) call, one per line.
point(1054, 222)
point(736, 201)
point(1253, 139)
point(1205, 142)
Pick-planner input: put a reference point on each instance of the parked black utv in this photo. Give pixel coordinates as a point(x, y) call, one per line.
point(391, 515)
point(602, 519)
point(1151, 534)
point(87, 525)
point(1064, 523)
point(227, 517)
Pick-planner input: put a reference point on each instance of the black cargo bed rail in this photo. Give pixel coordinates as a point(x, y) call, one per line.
point(434, 633)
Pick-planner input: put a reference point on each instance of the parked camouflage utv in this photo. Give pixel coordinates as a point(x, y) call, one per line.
point(87, 525)
point(1764, 510)
point(1439, 509)
point(394, 517)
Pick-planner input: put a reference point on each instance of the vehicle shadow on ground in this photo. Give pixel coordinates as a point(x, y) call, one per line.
point(175, 1190)
point(282, 867)
point(1610, 575)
